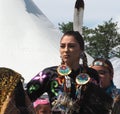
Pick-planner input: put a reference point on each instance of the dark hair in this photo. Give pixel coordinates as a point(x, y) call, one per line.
point(107, 62)
point(79, 3)
point(77, 36)
point(20, 98)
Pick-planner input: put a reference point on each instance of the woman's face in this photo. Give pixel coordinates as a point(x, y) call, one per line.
point(105, 76)
point(70, 50)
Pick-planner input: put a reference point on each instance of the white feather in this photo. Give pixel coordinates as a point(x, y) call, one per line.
point(78, 20)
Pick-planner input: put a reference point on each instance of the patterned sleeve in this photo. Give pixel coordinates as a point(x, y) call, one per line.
point(37, 86)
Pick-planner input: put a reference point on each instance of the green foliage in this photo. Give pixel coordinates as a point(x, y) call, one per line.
point(101, 41)
point(66, 27)
point(116, 51)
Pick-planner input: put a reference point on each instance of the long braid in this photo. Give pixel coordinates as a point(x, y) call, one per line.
point(84, 58)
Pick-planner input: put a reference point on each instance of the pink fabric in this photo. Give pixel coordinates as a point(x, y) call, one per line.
point(40, 102)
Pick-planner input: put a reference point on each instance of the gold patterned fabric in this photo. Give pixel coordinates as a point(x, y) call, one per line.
point(8, 82)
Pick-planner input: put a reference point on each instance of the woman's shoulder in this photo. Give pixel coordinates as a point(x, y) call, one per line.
point(51, 69)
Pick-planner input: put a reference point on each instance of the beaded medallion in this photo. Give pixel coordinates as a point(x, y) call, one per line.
point(63, 70)
point(82, 79)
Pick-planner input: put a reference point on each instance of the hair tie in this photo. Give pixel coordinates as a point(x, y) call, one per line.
point(41, 102)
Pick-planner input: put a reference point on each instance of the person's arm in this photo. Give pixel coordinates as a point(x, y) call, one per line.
point(38, 85)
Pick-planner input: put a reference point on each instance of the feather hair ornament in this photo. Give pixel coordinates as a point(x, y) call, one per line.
point(78, 16)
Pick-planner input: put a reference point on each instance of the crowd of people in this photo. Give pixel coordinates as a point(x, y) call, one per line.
point(72, 88)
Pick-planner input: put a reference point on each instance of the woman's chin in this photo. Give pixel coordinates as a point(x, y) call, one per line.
point(67, 63)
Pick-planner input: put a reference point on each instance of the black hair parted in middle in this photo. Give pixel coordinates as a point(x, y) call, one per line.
point(77, 36)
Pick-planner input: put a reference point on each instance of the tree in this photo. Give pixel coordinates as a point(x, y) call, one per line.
point(102, 40)
point(65, 27)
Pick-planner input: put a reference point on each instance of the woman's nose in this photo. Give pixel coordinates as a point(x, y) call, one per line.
point(66, 48)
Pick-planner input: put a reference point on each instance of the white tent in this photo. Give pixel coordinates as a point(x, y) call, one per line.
point(116, 65)
point(29, 42)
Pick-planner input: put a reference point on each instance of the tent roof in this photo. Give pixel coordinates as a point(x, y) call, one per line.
point(28, 40)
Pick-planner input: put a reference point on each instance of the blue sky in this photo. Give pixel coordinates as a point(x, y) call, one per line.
point(96, 11)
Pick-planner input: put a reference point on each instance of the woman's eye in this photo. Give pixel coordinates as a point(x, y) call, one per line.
point(62, 46)
point(71, 46)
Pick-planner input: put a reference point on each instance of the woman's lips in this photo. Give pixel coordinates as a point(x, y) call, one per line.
point(66, 56)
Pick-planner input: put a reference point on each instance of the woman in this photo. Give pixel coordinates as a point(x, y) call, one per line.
point(72, 88)
point(13, 99)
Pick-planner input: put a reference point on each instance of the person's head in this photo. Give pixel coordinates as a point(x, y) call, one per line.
point(42, 106)
point(12, 93)
point(71, 47)
point(105, 70)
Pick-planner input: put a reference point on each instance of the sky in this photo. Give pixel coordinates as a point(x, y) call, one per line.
point(96, 11)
